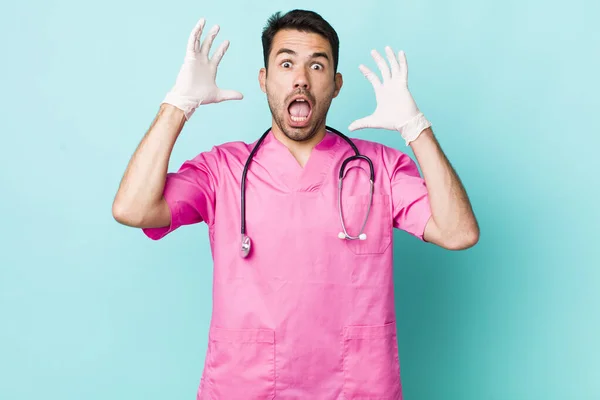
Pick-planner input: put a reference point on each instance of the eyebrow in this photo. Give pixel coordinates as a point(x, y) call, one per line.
point(292, 52)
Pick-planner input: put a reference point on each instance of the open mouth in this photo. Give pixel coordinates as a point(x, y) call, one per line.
point(300, 110)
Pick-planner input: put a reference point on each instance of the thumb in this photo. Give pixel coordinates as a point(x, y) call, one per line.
point(229, 95)
point(366, 122)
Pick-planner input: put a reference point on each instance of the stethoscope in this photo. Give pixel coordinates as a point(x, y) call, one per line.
point(246, 242)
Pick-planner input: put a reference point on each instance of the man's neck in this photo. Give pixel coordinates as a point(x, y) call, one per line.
point(300, 150)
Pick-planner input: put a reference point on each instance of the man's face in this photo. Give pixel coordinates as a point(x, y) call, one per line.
point(300, 83)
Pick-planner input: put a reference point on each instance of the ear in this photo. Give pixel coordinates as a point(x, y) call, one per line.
point(339, 81)
point(262, 78)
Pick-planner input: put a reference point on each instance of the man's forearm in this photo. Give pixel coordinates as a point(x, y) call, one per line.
point(143, 182)
point(450, 205)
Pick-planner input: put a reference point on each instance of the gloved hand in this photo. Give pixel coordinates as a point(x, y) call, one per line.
point(396, 108)
point(196, 82)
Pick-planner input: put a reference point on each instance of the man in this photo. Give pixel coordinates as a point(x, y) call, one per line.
point(307, 312)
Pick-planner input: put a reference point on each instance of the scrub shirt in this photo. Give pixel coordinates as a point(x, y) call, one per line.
point(306, 315)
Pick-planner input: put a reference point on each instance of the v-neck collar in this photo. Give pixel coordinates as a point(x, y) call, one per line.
point(281, 163)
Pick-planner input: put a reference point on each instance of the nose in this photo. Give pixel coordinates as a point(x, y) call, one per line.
point(301, 80)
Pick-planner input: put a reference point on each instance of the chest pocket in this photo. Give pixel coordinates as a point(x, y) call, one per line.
point(378, 227)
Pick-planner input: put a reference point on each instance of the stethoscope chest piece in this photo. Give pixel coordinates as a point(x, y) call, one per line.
point(246, 245)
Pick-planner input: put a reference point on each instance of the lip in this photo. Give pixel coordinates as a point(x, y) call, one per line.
point(299, 124)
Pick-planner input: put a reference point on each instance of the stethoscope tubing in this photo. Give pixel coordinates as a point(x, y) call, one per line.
point(246, 243)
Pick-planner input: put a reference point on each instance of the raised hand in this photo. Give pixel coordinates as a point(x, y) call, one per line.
point(396, 108)
point(196, 81)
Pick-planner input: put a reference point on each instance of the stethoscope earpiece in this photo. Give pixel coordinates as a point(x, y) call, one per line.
point(362, 236)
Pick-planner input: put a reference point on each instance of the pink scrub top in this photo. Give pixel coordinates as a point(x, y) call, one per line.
point(306, 315)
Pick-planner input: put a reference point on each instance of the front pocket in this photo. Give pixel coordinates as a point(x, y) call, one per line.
point(371, 363)
point(379, 224)
point(241, 364)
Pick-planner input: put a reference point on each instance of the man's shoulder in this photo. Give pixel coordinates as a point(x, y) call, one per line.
point(375, 149)
point(392, 159)
point(226, 151)
point(232, 147)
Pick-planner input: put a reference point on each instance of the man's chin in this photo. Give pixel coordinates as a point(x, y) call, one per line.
point(300, 134)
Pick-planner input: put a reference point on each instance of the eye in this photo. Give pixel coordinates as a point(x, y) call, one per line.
point(283, 64)
point(317, 65)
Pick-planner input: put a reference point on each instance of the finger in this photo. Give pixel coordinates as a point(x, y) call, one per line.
point(195, 35)
point(229, 95)
point(366, 122)
point(218, 54)
point(383, 67)
point(370, 76)
point(208, 40)
point(403, 65)
point(393, 61)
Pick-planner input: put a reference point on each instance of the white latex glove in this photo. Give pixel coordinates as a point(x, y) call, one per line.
point(396, 108)
point(196, 82)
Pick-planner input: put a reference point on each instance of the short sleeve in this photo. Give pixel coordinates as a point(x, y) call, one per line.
point(410, 199)
point(190, 195)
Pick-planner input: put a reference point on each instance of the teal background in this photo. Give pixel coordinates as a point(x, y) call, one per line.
point(90, 309)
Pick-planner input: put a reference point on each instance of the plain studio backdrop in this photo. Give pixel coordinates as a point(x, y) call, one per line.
point(90, 309)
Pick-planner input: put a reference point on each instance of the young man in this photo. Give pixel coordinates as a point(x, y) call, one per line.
point(307, 311)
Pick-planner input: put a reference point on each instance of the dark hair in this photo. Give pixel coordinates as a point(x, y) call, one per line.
point(304, 21)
